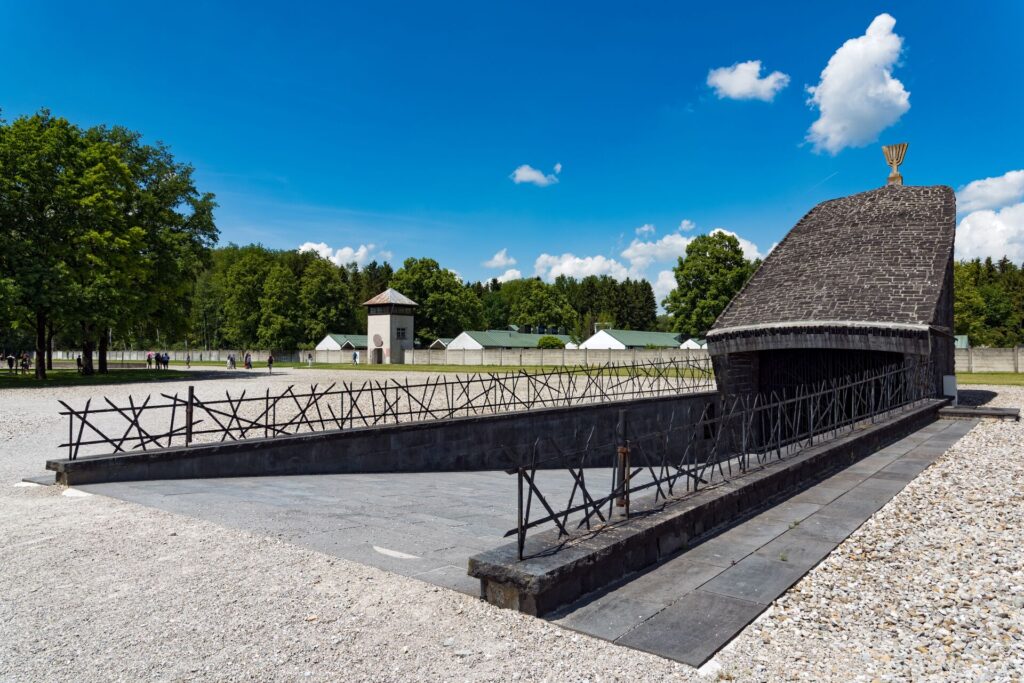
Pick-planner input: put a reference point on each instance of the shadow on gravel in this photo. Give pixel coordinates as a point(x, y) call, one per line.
point(975, 397)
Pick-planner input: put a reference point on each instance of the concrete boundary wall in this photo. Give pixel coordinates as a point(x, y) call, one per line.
point(967, 360)
point(549, 357)
point(990, 360)
point(460, 444)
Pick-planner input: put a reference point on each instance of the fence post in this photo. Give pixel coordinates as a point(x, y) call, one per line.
point(188, 414)
point(970, 359)
point(622, 437)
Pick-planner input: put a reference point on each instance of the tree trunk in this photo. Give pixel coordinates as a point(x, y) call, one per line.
point(49, 346)
point(40, 345)
point(103, 354)
point(87, 346)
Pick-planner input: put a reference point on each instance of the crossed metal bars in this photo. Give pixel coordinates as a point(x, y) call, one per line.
point(172, 420)
point(706, 447)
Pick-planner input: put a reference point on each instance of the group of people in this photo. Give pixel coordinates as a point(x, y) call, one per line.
point(247, 362)
point(160, 361)
point(22, 361)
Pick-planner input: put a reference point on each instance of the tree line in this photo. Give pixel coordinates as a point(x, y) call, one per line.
point(251, 296)
point(988, 304)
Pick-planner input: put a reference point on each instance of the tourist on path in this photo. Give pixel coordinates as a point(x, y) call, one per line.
point(270, 363)
point(188, 361)
point(10, 363)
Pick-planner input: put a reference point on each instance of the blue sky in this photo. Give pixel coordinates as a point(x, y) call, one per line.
point(401, 125)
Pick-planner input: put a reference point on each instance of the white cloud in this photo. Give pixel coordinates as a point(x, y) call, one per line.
point(528, 174)
point(549, 266)
point(857, 96)
point(360, 255)
point(665, 283)
point(992, 233)
point(750, 250)
point(510, 274)
point(500, 260)
point(686, 225)
point(991, 193)
point(646, 229)
point(742, 81)
point(642, 254)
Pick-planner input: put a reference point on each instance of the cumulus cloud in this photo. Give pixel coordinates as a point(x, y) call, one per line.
point(642, 254)
point(663, 284)
point(857, 96)
point(992, 233)
point(742, 81)
point(991, 193)
point(360, 255)
point(500, 260)
point(510, 274)
point(528, 174)
point(550, 266)
point(646, 229)
point(686, 225)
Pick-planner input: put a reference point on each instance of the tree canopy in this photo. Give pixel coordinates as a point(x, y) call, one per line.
point(707, 278)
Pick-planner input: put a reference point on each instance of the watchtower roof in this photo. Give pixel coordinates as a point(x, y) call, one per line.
point(390, 297)
point(874, 259)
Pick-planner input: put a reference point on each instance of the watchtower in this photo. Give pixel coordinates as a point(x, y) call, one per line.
point(389, 327)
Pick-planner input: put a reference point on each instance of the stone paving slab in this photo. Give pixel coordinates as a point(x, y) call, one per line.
point(689, 607)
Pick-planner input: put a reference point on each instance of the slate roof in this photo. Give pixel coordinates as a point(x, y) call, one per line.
point(390, 296)
point(641, 339)
point(877, 258)
point(506, 339)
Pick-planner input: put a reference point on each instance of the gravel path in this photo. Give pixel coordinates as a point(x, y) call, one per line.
point(98, 589)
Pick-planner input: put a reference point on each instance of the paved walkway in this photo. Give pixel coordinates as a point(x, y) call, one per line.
point(686, 609)
point(422, 525)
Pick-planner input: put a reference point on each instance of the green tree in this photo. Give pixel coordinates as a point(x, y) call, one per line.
point(325, 301)
point(243, 287)
point(39, 206)
point(279, 308)
point(534, 303)
point(550, 342)
point(446, 306)
point(712, 273)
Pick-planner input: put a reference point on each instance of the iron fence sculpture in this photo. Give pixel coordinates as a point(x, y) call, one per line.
point(169, 420)
point(705, 448)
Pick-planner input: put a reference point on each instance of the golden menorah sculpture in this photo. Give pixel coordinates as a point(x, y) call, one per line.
point(894, 155)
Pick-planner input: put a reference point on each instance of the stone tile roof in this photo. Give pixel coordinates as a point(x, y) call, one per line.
point(874, 257)
point(390, 296)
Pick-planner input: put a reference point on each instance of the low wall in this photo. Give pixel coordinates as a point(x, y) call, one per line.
point(460, 444)
point(990, 360)
point(588, 561)
point(548, 357)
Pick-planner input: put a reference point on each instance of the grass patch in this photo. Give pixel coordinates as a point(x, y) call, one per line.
point(1012, 379)
point(68, 378)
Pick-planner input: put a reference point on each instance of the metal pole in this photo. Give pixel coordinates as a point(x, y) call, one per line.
point(521, 534)
point(188, 414)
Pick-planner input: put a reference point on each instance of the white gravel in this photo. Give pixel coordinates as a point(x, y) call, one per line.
point(931, 588)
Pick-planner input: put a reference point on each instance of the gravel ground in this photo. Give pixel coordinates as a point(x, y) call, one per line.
point(98, 589)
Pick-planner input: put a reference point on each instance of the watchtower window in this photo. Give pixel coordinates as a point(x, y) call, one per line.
point(400, 333)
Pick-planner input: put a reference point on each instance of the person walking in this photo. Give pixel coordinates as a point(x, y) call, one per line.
point(167, 361)
point(149, 360)
point(78, 364)
point(10, 363)
point(270, 363)
point(188, 361)
point(248, 361)
point(25, 363)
